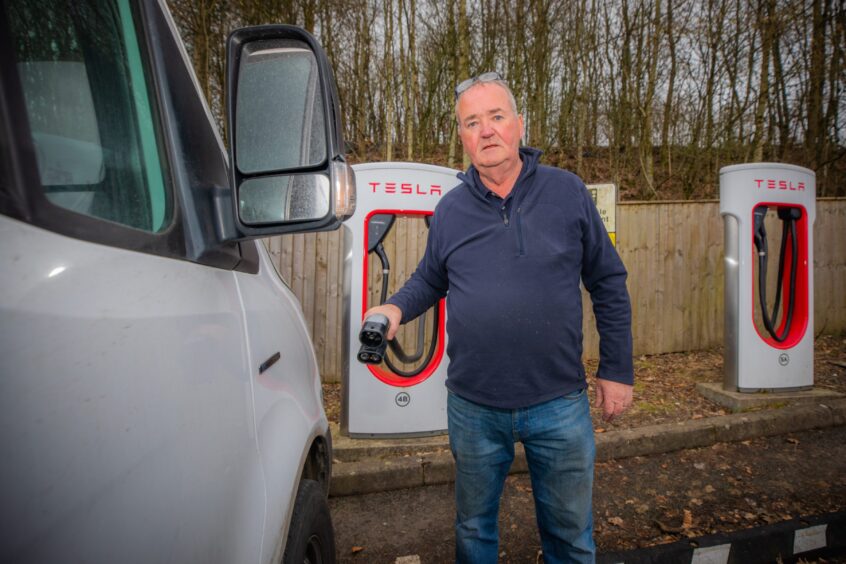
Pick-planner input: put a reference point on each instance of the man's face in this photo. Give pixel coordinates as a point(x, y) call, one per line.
point(489, 129)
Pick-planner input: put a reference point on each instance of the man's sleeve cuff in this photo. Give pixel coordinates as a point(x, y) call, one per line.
point(627, 379)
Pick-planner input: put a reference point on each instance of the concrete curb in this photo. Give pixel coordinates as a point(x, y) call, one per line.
point(389, 465)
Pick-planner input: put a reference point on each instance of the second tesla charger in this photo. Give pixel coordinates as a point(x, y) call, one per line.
point(769, 319)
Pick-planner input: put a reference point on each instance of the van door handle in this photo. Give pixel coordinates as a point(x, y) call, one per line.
point(269, 362)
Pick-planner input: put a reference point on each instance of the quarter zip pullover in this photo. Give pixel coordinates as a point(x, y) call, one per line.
point(510, 269)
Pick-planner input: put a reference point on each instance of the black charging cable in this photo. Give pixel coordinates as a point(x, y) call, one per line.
point(394, 344)
point(789, 216)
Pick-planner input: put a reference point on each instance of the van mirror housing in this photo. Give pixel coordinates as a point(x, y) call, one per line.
point(286, 150)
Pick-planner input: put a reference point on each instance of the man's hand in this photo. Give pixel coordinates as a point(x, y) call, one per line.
point(392, 312)
point(613, 397)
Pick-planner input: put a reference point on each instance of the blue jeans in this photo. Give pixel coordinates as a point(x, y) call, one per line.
point(558, 440)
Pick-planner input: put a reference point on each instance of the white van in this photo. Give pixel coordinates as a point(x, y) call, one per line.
point(159, 395)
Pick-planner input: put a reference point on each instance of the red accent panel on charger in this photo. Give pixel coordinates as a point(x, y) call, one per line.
point(378, 371)
point(799, 322)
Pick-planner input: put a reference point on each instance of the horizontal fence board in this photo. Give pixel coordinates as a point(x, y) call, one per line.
point(673, 252)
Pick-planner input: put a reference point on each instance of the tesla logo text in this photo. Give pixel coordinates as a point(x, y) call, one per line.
point(406, 188)
point(774, 184)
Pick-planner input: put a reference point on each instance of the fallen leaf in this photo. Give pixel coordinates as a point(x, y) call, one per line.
point(616, 521)
point(792, 441)
point(357, 549)
point(687, 522)
point(666, 528)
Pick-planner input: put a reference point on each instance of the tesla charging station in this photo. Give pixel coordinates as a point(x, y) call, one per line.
point(768, 211)
point(404, 395)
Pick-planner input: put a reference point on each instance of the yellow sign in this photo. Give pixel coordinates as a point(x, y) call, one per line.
point(604, 196)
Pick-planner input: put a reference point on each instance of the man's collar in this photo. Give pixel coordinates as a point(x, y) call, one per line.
point(529, 157)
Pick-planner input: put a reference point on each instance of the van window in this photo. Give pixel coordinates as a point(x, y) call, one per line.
point(90, 110)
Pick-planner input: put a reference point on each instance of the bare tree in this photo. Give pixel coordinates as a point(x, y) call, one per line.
point(654, 95)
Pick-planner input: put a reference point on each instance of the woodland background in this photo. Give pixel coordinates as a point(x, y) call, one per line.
point(653, 95)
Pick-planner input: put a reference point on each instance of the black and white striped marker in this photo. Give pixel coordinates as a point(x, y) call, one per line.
point(807, 538)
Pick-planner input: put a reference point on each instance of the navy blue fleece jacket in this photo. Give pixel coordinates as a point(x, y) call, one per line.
point(510, 270)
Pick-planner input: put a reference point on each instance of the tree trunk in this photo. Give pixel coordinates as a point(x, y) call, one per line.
point(666, 149)
point(764, 24)
point(646, 144)
point(388, 90)
point(411, 112)
point(816, 82)
point(463, 70)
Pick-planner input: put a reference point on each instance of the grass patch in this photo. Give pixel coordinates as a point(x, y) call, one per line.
point(652, 408)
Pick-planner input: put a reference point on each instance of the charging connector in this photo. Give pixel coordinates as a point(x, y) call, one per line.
point(373, 338)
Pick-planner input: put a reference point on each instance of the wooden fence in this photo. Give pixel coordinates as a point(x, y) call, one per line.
point(672, 250)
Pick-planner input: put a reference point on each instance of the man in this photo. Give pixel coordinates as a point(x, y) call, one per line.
point(510, 245)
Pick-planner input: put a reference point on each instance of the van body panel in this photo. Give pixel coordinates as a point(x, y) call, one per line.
point(125, 398)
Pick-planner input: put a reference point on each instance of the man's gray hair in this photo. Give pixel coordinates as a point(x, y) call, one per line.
point(499, 82)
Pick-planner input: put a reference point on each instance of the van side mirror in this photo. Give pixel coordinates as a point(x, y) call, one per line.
point(287, 168)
